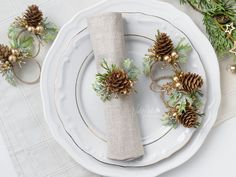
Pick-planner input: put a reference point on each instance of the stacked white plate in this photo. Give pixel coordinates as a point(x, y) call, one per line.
point(75, 114)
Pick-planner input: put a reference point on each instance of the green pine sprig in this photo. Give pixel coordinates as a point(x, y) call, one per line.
point(221, 42)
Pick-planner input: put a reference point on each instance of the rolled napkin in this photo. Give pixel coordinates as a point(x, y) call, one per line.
point(123, 132)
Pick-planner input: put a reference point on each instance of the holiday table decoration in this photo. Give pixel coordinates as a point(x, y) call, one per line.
point(219, 18)
point(34, 23)
point(183, 91)
point(123, 132)
point(21, 41)
point(116, 81)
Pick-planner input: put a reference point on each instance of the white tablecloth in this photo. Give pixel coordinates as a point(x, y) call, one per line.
point(23, 104)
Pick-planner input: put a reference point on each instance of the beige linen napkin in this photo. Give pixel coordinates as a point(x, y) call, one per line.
point(123, 132)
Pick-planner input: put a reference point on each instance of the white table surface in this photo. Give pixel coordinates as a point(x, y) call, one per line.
point(217, 157)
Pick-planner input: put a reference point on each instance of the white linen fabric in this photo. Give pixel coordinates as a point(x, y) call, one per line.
point(123, 132)
point(32, 149)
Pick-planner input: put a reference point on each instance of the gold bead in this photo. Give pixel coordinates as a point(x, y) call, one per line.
point(233, 68)
point(7, 62)
point(12, 58)
point(176, 79)
point(174, 55)
point(39, 29)
point(174, 114)
point(170, 60)
point(15, 52)
point(31, 29)
point(177, 85)
point(166, 58)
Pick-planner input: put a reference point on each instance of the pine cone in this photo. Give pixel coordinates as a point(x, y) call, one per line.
point(33, 16)
point(162, 46)
point(191, 82)
point(118, 82)
point(5, 52)
point(189, 119)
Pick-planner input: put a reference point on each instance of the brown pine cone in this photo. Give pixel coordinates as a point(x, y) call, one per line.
point(162, 46)
point(5, 52)
point(33, 16)
point(191, 82)
point(189, 119)
point(118, 82)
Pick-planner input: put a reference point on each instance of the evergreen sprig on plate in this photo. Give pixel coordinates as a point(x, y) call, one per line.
point(116, 80)
point(181, 102)
point(164, 50)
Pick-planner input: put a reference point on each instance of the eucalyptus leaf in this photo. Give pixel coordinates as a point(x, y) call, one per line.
point(132, 71)
point(147, 62)
point(9, 77)
point(50, 32)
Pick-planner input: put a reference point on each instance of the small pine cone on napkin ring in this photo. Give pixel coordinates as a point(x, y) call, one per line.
point(35, 23)
point(116, 80)
point(188, 82)
point(163, 50)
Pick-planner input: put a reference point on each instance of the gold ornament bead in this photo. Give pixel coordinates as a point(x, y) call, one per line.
point(176, 79)
point(4, 65)
point(31, 29)
point(177, 85)
point(174, 114)
point(7, 62)
point(12, 58)
point(39, 29)
point(233, 68)
point(170, 60)
point(174, 55)
point(166, 58)
point(15, 52)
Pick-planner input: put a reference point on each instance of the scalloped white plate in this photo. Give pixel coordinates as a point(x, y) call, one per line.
point(63, 132)
point(83, 117)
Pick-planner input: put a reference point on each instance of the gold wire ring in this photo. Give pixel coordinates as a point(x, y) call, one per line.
point(29, 82)
point(39, 42)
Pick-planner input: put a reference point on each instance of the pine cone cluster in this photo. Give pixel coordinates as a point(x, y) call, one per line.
point(163, 46)
point(8, 57)
point(189, 119)
point(5, 52)
point(191, 82)
point(33, 16)
point(118, 82)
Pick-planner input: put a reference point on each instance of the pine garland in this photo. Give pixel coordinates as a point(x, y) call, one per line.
point(212, 10)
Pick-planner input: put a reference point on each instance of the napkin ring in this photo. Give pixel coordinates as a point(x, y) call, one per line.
point(181, 93)
point(10, 58)
point(116, 81)
point(32, 25)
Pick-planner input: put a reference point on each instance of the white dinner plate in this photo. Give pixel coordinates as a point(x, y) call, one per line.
point(64, 132)
point(81, 111)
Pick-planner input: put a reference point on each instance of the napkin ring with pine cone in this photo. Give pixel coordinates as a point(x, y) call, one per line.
point(181, 96)
point(164, 51)
point(33, 23)
point(183, 99)
point(116, 81)
point(10, 58)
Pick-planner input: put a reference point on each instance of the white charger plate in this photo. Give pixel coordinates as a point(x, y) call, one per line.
point(82, 112)
point(201, 44)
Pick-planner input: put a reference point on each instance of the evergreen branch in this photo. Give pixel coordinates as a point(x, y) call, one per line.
point(215, 30)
